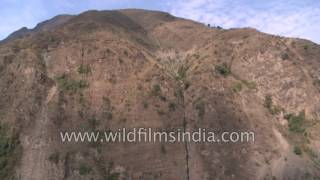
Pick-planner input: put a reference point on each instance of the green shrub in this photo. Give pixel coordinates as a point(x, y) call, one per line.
point(181, 76)
point(182, 73)
point(107, 115)
point(156, 90)
point(113, 176)
point(82, 99)
point(106, 102)
point(223, 69)
point(108, 51)
point(296, 123)
point(163, 98)
point(250, 84)
point(197, 56)
point(274, 110)
point(268, 102)
point(172, 106)
point(316, 82)
point(297, 150)
point(16, 47)
point(237, 87)
point(84, 69)
point(84, 169)
point(200, 107)
point(160, 112)
point(10, 151)
point(145, 104)
point(82, 84)
point(67, 84)
point(54, 157)
point(312, 154)
point(126, 52)
point(120, 60)
point(284, 56)
point(93, 122)
point(107, 108)
point(187, 84)
point(178, 92)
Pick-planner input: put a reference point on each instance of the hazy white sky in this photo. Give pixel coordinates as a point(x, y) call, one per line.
point(295, 18)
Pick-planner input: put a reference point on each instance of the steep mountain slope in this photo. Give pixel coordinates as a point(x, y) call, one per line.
point(105, 70)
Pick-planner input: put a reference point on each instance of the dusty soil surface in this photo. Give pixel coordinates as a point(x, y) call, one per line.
point(105, 70)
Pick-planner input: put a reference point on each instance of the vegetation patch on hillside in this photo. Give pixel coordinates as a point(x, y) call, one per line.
point(223, 69)
point(273, 109)
point(106, 108)
point(84, 69)
point(296, 123)
point(84, 169)
point(249, 84)
point(201, 109)
point(10, 151)
point(65, 83)
point(237, 87)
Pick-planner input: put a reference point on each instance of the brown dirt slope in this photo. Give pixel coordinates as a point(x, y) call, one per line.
point(104, 70)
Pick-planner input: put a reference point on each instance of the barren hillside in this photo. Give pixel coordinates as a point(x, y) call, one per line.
point(105, 70)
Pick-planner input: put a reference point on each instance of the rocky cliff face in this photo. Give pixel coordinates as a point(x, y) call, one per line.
point(104, 70)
